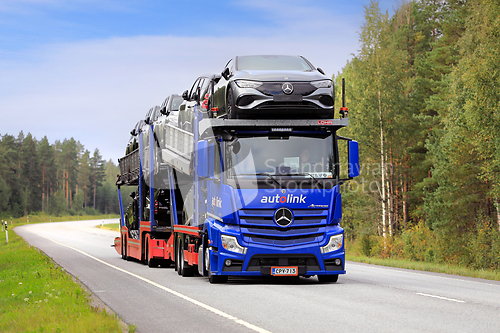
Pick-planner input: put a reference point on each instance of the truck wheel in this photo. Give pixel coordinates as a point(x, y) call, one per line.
point(328, 278)
point(213, 279)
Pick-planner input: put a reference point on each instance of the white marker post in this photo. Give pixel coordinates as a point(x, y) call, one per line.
point(6, 233)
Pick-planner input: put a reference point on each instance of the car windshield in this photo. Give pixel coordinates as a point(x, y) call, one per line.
point(176, 102)
point(295, 156)
point(284, 63)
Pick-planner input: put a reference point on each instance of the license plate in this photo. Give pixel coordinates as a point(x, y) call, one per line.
point(287, 98)
point(284, 271)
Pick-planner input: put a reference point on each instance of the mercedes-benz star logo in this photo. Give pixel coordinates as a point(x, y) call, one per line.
point(283, 216)
point(287, 88)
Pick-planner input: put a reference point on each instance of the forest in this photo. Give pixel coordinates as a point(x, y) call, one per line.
point(423, 93)
point(59, 178)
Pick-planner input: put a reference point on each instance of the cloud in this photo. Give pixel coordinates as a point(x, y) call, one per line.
point(95, 91)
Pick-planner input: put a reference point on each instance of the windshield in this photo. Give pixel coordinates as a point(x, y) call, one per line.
point(176, 102)
point(285, 63)
point(293, 156)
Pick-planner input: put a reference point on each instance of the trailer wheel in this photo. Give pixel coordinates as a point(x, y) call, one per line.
point(150, 261)
point(328, 278)
point(185, 270)
point(177, 253)
point(124, 253)
point(125, 250)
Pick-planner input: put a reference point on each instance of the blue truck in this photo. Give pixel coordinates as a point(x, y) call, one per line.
point(239, 198)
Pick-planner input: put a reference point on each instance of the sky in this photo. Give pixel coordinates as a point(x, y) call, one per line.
point(90, 69)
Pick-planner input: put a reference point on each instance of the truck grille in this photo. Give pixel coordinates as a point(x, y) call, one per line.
point(258, 226)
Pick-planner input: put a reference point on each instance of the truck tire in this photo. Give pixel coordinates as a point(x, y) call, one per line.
point(328, 278)
point(149, 261)
point(126, 252)
point(124, 249)
point(213, 279)
point(184, 268)
point(177, 253)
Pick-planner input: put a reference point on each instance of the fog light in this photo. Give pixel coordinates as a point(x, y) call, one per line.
point(228, 262)
point(337, 262)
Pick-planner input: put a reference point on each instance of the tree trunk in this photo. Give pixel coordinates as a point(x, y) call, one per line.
point(94, 189)
point(382, 162)
point(497, 205)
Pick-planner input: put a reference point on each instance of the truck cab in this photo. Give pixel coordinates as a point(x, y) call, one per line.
point(273, 202)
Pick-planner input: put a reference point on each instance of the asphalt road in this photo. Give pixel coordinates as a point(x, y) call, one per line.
point(368, 298)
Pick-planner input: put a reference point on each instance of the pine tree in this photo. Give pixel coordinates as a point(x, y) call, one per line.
point(48, 169)
point(97, 173)
point(31, 176)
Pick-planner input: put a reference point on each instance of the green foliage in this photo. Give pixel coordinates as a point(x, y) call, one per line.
point(418, 243)
point(423, 97)
point(54, 178)
point(366, 245)
point(484, 247)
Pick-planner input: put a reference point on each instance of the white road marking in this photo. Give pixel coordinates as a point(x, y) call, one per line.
point(173, 292)
point(441, 297)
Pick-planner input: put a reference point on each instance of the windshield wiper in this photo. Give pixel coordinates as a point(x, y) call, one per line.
point(260, 174)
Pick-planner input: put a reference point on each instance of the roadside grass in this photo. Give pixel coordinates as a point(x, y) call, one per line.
point(110, 226)
point(36, 295)
point(353, 253)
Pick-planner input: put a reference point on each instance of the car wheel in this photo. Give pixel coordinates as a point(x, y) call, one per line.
point(230, 108)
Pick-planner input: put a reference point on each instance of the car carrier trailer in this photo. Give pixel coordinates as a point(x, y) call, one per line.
point(237, 198)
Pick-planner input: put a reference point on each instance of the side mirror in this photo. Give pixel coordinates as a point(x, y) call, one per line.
point(225, 74)
point(163, 110)
point(348, 154)
point(202, 151)
point(321, 71)
point(147, 121)
point(185, 95)
point(353, 159)
point(196, 95)
point(216, 79)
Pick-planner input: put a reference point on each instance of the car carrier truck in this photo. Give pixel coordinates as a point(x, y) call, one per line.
point(239, 198)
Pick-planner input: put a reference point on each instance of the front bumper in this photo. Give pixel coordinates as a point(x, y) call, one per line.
point(259, 259)
point(249, 101)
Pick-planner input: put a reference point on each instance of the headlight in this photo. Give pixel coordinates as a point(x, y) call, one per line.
point(230, 243)
point(334, 244)
point(322, 83)
point(247, 84)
